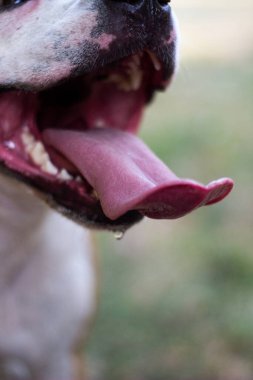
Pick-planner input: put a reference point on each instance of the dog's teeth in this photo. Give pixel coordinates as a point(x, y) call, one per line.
point(64, 175)
point(155, 60)
point(40, 157)
point(27, 139)
point(37, 152)
point(131, 81)
point(49, 168)
point(120, 81)
point(135, 73)
point(136, 79)
point(94, 194)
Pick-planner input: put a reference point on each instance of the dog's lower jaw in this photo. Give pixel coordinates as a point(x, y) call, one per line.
point(47, 288)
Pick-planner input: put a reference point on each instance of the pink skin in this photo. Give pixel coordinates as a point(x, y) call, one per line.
point(173, 37)
point(17, 17)
point(35, 61)
point(104, 41)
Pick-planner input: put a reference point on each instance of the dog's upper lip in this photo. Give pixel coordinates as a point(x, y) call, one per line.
point(163, 55)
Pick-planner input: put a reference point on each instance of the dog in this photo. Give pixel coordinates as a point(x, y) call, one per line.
point(75, 78)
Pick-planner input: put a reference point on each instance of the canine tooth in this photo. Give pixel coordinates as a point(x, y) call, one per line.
point(121, 82)
point(64, 175)
point(155, 60)
point(94, 194)
point(131, 82)
point(136, 79)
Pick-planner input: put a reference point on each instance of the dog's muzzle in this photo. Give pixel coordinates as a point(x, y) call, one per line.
point(72, 102)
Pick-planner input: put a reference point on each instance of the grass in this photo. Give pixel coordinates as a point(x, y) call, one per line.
point(176, 297)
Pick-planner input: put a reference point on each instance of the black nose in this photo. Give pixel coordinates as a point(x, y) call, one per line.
point(136, 23)
point(146, 7)
point(139, 2)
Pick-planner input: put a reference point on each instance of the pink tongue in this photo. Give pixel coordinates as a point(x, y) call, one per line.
point(128, 176)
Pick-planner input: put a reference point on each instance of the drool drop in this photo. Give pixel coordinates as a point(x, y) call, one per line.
point(118, 235)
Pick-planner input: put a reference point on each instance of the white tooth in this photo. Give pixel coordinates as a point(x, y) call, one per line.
point(136, 79)
point(37, 152)
point(94, 194)
point(49, 168)
point(40, 157)
point(27, 139)
point(121, 82)
point(129, 82)
point(155, 60)
point(64, 175)
point(132, 82)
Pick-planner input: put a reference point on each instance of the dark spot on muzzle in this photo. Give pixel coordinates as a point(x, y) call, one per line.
point(128, 20)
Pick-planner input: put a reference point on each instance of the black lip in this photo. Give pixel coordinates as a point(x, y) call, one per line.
point(88, 217)
point(165, 53)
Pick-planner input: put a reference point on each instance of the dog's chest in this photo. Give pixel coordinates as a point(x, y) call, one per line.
point(46, 274)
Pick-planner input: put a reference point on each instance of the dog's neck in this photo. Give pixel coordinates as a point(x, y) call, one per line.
point(21, 216)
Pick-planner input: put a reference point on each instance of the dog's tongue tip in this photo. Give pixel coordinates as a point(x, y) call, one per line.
point(178, 199)
point(218, 190)
point(128, 176)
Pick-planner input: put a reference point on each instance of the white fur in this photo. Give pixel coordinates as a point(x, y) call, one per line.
point(47, 287)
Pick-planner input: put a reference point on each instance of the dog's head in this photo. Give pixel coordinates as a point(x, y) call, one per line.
point(75, 76)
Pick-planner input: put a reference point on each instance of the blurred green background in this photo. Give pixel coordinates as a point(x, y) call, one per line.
point(176, 298)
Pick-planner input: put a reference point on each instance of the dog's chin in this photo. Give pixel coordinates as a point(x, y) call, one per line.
point(110, 98)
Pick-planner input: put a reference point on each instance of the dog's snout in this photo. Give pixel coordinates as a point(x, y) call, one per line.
point(146, 8)
point(154, 3)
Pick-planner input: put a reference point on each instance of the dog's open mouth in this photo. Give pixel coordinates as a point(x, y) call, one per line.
point(77, 142)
